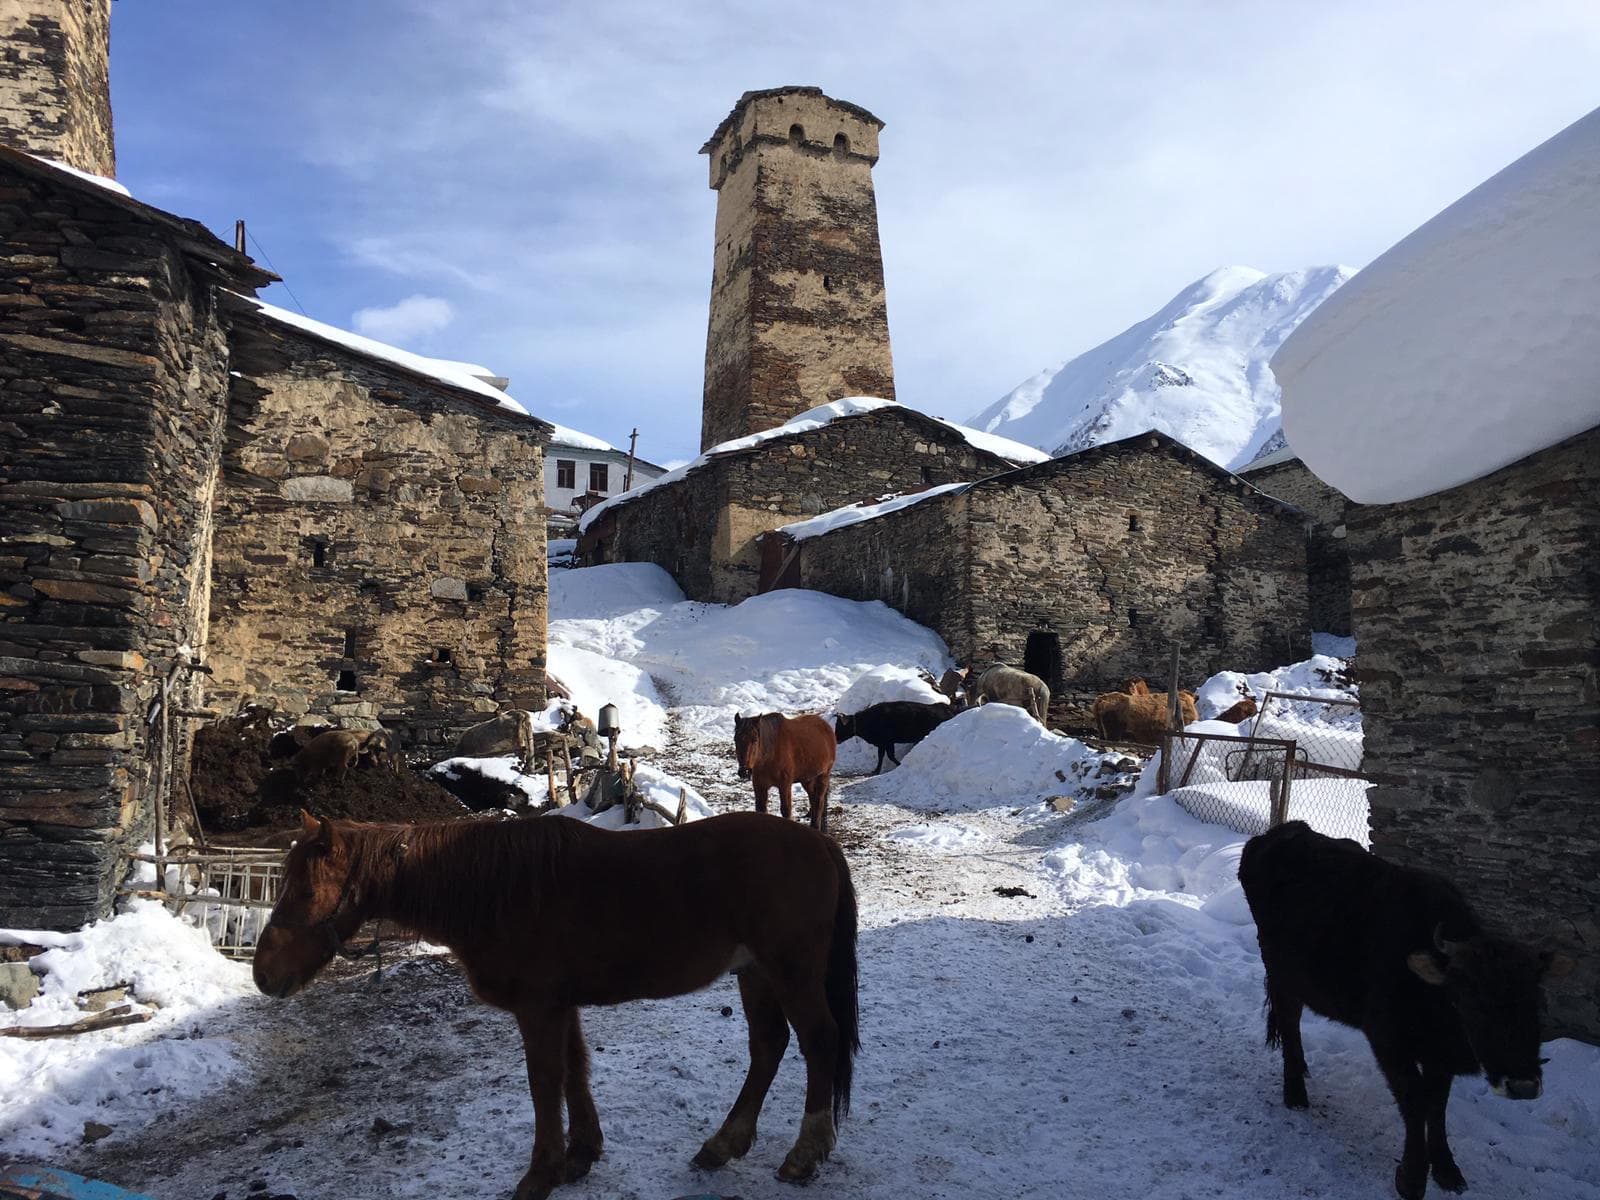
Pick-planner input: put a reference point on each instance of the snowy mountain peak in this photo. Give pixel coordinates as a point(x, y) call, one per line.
point(1196, 370)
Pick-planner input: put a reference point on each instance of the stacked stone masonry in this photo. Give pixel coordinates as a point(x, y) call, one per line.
point(703, 527)
point(379, 553)
point(1327, 555)
point(1119, 553)
point(112, 389)
point(55, 81)
point(1475, 612)
point(798, 311)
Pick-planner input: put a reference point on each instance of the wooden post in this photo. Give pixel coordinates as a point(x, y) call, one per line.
point(633, 441)
point(566, 755)
point(238, 235)
point(1172, 692)
point(550, 774)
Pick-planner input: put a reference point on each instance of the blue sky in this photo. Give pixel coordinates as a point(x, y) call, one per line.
point(518, 183)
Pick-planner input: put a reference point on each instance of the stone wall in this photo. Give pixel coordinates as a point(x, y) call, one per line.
point(1327, 555)
point(1475, 611)
point(798, 314)
point(380, 548)
point(1120, 552)
point(112, 387)
point(703, 528)
point(55, 81)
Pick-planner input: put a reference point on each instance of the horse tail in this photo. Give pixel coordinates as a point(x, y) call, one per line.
point(842, 984)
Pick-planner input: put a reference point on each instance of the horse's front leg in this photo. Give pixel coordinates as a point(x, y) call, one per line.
point(544, 1040)
point(786, 797)
point(761, 788)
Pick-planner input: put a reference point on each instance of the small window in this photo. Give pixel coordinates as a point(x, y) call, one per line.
point(566, 473)
point(841, 145)
point(1133, 523)
point(349, 643)
point(827, 283)
point(347, 681)
point(475, 592)
point(1133, 617)
point(599, 477)
point(442, 654)
point(927, 475)
point(797, 133)
point(319, 554)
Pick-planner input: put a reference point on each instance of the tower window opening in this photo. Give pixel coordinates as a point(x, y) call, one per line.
point(442, 655)
point(349, 643)
point(841, 145)
point(347, 681)
point(827, 283)
point(1133, 523)
point(797, 134)
point(1133, 617)
point(319, 554)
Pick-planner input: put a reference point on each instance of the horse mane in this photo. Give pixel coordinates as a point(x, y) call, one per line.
point(452, 880)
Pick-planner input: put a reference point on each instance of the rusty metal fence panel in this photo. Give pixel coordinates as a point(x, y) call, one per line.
point(1329, 792)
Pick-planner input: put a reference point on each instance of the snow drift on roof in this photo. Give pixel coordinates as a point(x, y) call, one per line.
point(457, 375)
point(854, 514)
point(816, 418)
point(1196, 370)
point(577, 440)
point(1472, 343)
point(110, 185)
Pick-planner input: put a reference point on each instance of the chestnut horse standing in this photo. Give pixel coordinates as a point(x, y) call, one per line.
point(547, 914)
point(778, 751)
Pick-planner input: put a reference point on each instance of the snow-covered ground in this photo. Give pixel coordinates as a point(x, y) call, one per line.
point(1053, 1005)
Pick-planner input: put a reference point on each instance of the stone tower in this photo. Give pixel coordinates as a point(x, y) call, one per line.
point(55, 81)
point(797, 305)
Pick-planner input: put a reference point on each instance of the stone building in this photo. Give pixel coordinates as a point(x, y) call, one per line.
point(701, 522)
point(1088, 568)
point(581, 470)
point(1283, 475)
point(200, 502)
point(798, 316)
point(1452, 395)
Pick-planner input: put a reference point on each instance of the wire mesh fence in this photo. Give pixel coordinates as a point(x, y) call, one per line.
point(1252, 782)
point(229, 892)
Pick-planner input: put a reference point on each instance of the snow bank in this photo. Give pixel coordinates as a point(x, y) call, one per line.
point(982, 758)
point(1472, 343)
point(623, 633)
point(816, 418)
point(854, 514)
point(120, 1077)
point(1316, 676)
point(658, 787)
point(1197, 370)
point(457, 375)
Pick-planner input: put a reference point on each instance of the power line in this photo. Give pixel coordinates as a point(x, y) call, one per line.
point(267, 258)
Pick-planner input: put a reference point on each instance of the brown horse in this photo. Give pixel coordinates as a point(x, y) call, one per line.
point(778, 751)
point(546, 915)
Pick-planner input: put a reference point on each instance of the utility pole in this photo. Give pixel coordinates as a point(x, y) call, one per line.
point(238, 235)
point(633, 441)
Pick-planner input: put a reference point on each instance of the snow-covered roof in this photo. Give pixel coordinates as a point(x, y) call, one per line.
point(462, 376)
point(578, 440)
point(111, 185)
point(1470, 344)
point(1283, 454)
point(816, 418)
point(854, 514)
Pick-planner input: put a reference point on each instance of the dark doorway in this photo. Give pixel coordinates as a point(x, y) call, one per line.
point(1042, 657)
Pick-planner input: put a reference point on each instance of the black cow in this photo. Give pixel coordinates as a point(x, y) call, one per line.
point(890, 724)
point(1397, 953)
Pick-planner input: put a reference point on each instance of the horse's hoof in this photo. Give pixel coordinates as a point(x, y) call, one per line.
point(1449, 1177)
point(709, 1159)
point(579, 1160)
point(1409, 1182)
point(533, 1189)
point(798, 1169)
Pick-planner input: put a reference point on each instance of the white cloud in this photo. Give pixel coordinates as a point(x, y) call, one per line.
point(412, 318)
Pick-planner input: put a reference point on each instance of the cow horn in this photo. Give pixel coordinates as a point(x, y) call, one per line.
point(1442, 944)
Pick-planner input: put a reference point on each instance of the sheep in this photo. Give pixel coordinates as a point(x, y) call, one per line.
point(1121, 717)
point(1008, 685)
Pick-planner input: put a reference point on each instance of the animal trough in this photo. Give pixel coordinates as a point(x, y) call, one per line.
point(24, 1181)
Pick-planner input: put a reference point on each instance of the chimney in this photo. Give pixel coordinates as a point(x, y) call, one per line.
point(55, 81)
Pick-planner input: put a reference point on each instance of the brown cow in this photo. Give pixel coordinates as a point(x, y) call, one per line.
point(1136, 687)
point(1121, 717)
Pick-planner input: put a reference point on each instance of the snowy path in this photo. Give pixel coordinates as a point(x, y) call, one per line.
point(1014, 1047)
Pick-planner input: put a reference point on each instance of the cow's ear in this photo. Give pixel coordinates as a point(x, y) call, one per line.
point(1426, 967)
point(1554, 966)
